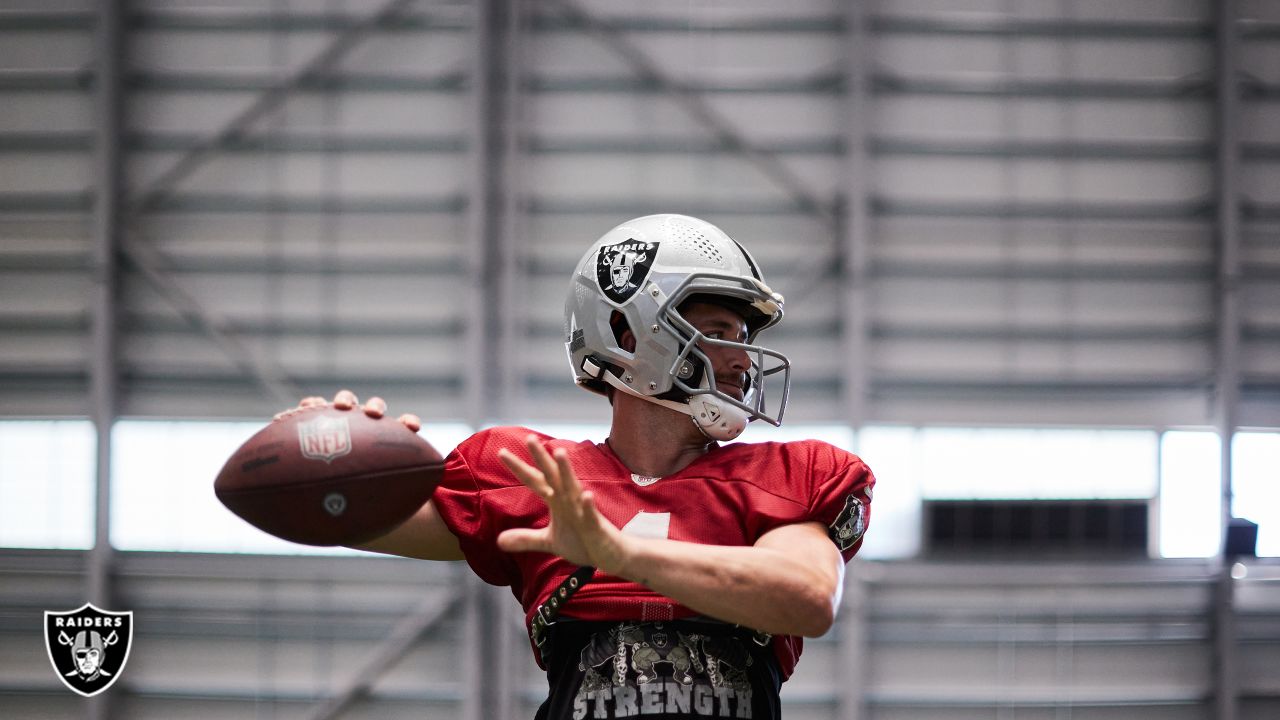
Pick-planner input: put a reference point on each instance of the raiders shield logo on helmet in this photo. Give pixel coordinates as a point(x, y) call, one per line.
point(622, 267)
point(88, 647)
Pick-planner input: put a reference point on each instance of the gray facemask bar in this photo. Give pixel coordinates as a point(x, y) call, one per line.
point(670, 320)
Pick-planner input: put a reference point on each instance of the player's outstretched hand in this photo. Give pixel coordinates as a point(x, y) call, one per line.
point(578, 532)
point(376, 407)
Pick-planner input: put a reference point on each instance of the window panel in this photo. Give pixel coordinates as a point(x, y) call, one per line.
point(162, 497)
point(1190, 494)
point(1256, 486)
point(46, 484)
point(892, 453)
point(974, 463)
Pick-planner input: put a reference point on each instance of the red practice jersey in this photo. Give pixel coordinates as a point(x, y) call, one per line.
point(730, 496)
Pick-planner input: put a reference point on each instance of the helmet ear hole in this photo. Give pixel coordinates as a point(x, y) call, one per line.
point(621, 330)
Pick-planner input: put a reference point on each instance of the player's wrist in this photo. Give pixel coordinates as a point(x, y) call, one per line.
point(619, 557)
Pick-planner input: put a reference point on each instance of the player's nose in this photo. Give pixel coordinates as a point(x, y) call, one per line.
point(735, 360)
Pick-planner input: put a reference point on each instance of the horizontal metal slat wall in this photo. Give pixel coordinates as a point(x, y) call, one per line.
point(631, 110)
point(225, 636)
point(1040, 179)
point(46, 129)
point(1260, 223)
point(325, 236)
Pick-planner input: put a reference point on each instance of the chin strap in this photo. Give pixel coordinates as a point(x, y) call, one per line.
point(717, 420)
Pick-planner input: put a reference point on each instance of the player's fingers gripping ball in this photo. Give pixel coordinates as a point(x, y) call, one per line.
point(321, 475)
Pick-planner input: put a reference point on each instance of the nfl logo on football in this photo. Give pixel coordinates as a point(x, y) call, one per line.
point(324, 438)
point(88, 647)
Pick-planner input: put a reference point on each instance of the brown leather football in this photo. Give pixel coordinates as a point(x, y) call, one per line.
point(322, 476)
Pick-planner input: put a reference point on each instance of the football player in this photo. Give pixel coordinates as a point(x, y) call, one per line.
point(664, 572)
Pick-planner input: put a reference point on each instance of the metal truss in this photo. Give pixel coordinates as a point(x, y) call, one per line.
point(397, 643)
point(149, 262)
point(722, 128)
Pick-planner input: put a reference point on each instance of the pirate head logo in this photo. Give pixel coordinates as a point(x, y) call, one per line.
point(324, 438)
point(850, 524)
point(88, 647)
point(622, 267)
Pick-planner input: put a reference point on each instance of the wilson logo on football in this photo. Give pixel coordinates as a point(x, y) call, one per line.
point(324, 438)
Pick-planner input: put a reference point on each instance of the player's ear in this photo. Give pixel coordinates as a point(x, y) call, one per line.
point(627, 341)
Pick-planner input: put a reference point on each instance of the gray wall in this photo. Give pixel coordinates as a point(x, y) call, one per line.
point(982, 212)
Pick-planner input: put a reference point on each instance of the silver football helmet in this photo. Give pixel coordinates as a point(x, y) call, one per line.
point(636, 277)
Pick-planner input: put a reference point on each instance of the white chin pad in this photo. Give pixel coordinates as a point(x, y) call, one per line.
point(717, 420)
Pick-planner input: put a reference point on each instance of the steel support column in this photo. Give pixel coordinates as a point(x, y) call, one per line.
point(851, 695)
point(855, 236)
point(480, 361)
point(1227, 381)
point(492, 308)
point(486, 656)
point(103, 370)
point(512, 248)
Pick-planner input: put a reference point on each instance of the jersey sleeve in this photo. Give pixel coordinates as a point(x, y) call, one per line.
point(463, 503)
point(840, 498)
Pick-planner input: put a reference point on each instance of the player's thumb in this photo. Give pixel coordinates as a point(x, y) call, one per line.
point(523, 540)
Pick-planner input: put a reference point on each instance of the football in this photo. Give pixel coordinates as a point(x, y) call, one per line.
point(323, 476)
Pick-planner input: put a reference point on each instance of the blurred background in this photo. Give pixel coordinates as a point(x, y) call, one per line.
point(1030, 248)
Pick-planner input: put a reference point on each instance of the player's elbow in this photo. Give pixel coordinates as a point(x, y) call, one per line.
point(810, 612)
point(817, 616)
point(826, 591)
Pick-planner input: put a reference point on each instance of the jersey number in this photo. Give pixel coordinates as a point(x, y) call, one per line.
point(649, 525)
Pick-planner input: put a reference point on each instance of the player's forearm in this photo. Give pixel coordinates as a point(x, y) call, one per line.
point(423, 536)
point(762, 588)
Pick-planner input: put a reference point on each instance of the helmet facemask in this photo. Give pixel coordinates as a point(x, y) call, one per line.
point(692, 372)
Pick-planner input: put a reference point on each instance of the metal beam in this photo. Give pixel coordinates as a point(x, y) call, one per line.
point(854, 641)
point(149, 262)
point(478, 359)
point(855, 237)
point(321, 63)
point(512, 270)
point(386, 654)
point(1227, 376)
point(486, 657)
point(725, 132)
point(103, 370)
point(488, 351)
